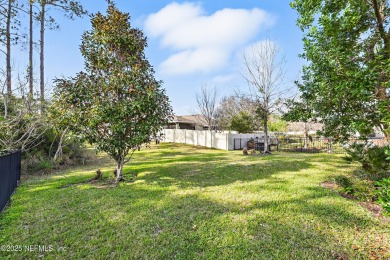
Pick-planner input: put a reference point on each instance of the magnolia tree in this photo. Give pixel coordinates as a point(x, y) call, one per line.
point(116, 103)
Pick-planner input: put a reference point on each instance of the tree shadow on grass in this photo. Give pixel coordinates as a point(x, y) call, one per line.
point(205, 174)
point(150, 219)
point(148, 222)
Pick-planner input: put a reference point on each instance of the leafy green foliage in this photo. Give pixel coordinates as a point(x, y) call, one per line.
point(37, 135)
point(277, 124)
point(384, 193)
point(372, 158)
point(116, 104)
point(346, 82)
point(343, 181)
point(298, 111)
point(242, 122)
point(43, 166)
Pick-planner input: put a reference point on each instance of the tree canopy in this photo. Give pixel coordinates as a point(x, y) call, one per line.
point(242, 123)
point(116, 103)
point(346, 81)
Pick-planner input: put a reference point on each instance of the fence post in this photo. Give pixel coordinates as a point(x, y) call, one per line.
point(227, 142)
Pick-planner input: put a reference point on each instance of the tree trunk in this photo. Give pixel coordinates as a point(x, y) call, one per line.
point(5, 102)
point(119, 168)
point(30, 65)
point(42, 55)
point(8, 47)
point(59, 148)
point(266, 135)
point(306, 136)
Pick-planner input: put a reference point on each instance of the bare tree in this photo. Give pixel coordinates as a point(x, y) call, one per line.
point(23, 128)
point(264, 71)
point(19, 133)
point(207, 104)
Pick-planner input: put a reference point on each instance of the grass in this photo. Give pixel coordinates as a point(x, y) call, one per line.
point(194, 203)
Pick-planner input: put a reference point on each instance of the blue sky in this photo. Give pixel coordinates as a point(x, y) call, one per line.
point(190, 42)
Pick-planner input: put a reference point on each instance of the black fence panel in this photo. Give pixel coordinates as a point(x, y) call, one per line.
point(241, 143)
point(307, 145)
point(319, 144)
point(310, 145)
point(9, 176)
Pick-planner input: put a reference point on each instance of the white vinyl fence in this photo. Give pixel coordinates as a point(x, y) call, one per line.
point(223, 141)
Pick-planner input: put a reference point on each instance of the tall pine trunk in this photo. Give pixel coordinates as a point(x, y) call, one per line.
point(42, 55)
point(8, 49)
point(30, 58)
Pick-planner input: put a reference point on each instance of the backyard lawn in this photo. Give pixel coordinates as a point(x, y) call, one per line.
point(190, 202)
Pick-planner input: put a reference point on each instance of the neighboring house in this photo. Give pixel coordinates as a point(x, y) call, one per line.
point(377, 133)
point(298, 128)
point(190, 122)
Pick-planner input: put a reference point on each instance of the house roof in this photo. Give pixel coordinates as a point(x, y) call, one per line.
point(300, 126)
point(190, 119)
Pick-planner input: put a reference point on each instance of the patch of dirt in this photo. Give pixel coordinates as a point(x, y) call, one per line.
point(102, 184)
point(258, 154)
point(375, 209)
point(329, 185)
point(347, 196)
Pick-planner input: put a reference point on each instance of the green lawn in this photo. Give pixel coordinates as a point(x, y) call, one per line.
point(189, 203)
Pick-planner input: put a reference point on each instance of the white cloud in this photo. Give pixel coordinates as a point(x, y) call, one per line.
point(203, 42)
point(223, 79)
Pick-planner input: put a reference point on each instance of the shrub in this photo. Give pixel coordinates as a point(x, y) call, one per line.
point(383, 192)
point(364, 190)
point(374, 159)
point(360, 189)
point(42, 165)
point(345, 183)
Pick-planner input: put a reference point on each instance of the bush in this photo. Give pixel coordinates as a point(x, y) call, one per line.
point(42, 165)
point(364, 190)
point(41, 157)
point(360, 189)
point(383, 192)
point(374, 159)
point(345, 183)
